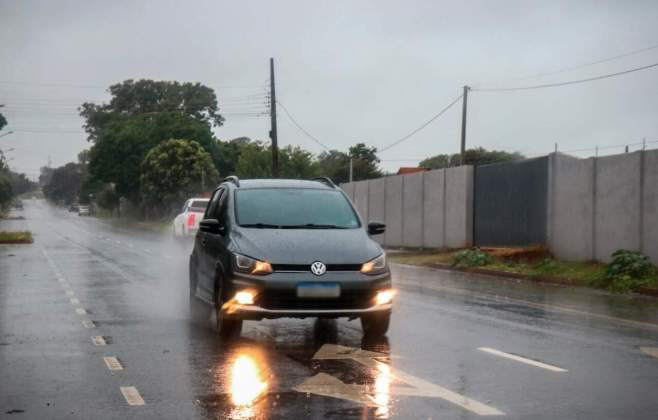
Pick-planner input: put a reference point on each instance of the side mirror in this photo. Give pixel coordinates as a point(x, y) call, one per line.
point(376, 228)
point(211, 226)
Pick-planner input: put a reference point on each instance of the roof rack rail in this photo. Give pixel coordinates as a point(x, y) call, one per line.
point(234, 179)
point(325, 180)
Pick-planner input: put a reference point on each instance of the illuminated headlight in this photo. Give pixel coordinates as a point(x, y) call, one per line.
point(244, 298)
point(375, 266)
point(251, 265)
point(384, 296)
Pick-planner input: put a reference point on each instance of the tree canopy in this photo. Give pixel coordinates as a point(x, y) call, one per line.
point(150, 97)
point(3, 121)
point(175, 170)
point(478, 156)
point(64, 185)
point(336, 164)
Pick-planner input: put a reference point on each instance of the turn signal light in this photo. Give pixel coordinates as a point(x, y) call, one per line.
point(244, 298)
point(384, 296)
point(261, 267)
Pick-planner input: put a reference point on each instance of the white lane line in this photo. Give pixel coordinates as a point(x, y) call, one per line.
point(131, 245)
point(131, 394)
point(112, 363)
point(80, 311)
point(88, 323)
point(98, 340)
point(74, 301)
point(70, 293)
point(117, 241)
point(651, 351)
point(522, 359)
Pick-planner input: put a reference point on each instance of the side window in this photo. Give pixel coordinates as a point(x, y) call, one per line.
point(211, 210)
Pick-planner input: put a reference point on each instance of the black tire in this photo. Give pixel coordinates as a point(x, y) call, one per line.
point(376, 324)
point(226, 327)
point(199, 311)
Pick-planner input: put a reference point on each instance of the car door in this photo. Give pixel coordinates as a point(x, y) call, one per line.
point(203, 241)
point(216, 245)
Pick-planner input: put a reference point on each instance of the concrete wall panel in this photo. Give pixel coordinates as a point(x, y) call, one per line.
point(412, 210)
point(571, 204)
point(349, 189)
point(459, 207)
point(377, 206)
point(361, 199)
point(433, 208)
point(393, 235)
point(617, 206)
point(650, 206)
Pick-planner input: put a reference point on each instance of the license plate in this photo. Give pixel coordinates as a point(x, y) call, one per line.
point(318, 290)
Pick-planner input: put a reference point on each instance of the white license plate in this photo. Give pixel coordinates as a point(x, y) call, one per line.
point(318, 290)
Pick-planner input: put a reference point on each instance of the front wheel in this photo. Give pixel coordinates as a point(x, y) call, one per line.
point(227, 327)
point(375, 324)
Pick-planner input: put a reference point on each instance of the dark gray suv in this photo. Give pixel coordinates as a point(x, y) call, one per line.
point(275, 248)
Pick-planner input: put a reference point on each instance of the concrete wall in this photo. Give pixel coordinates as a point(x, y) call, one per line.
point(600, 205)
point(426, 209)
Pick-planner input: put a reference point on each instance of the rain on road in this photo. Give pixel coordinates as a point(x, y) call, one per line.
point(94, 324)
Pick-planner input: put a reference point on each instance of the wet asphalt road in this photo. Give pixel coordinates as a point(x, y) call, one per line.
point(459, 346)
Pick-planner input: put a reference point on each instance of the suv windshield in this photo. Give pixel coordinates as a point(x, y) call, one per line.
point(294, 208)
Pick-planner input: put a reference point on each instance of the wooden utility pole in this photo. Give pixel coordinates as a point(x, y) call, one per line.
point(464, 104)
point(273, 134)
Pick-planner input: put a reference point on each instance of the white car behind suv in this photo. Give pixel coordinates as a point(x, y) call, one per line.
point(187, 223)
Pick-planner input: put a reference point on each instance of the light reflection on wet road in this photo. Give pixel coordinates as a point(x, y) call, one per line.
point(132, 285)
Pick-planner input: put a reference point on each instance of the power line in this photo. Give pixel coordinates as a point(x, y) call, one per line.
point(591, 63)
point(309, 135)
point(572, 82)
point(395, 143)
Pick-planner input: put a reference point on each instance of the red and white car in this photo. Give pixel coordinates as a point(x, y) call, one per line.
point(187, 223)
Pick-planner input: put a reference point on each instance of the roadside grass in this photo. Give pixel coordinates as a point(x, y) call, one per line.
point(24, 237)
point(531, 263)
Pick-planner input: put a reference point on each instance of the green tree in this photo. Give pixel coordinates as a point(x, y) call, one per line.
point(3, 121)
point(174, 170)
point(121, 147)
point(255, 161)
point(297, 163)
point(336, 164)
point(131, 98)
point(64, 186)
point(6, 193)
point(228, 154)
point(478, 156)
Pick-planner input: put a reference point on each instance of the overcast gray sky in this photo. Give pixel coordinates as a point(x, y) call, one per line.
point(348, 71)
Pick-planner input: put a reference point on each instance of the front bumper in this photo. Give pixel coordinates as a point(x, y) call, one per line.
point(255, 312)
point(276, 296)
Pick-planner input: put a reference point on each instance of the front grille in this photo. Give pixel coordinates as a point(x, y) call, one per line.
point(307, 267)
point(288, 300)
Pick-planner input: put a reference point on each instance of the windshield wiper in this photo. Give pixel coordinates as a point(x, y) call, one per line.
point(313, 226)
point(261, 226)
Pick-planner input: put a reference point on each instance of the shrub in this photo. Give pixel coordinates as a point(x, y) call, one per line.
point(471, 258)
point(628, 271)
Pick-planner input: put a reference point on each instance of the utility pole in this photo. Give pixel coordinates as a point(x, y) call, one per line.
point(203, 180)
point(273, 134)
point(464, 105)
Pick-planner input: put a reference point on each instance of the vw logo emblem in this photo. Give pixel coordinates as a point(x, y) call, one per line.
point(318, 268)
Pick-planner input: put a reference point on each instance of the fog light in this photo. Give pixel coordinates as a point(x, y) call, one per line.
point(244, 298)
point(384, 296)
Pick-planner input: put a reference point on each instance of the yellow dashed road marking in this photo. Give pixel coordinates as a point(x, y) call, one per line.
point(98, 340)
point(131, 394)
point(522, 359)
point(112, 363)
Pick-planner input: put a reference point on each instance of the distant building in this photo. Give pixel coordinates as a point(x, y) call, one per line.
point(411, 170)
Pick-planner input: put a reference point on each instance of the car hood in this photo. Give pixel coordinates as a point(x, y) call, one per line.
point(305, 246)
